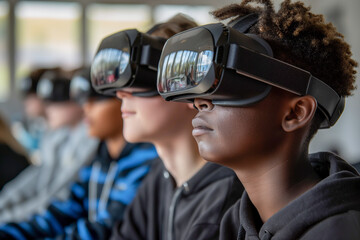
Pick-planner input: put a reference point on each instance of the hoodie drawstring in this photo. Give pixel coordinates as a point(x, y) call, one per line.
point(174, 201)
point(94, 176)
point(105, 193)
point(241, 233)
point(267, 235)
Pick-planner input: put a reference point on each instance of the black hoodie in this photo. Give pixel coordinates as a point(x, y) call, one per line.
point(11, 164)
point(193, 211)
point(330, 210)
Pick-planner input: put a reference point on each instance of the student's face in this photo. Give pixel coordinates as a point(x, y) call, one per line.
point(103, 117)
point(63, 114)
point(153, 119)
point(34, 106)
point(227, 134)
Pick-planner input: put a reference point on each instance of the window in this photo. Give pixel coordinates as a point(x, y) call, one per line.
point(47, 35)
point(105, 19)
point(4, 68)
point(199, 13)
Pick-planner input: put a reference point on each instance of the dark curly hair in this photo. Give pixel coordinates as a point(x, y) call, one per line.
point(300, 38)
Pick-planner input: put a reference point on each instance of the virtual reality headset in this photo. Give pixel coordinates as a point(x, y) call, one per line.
point(28, 85)
point(81, 89)
point(230, 68)
point(53, 87)
point(127, 59)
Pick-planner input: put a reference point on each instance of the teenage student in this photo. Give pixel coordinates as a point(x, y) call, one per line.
point(59, 157)
point(31, 128)
point(261, 97)
point(183, 197)
point(104, 188)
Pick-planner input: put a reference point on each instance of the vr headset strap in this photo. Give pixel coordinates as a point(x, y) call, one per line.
point(154, 28)
point(243, 24)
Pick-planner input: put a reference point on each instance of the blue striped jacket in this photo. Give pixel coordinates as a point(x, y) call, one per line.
point(97, 199)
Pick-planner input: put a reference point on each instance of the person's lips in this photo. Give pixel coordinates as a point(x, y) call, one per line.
point(200, 127)
point(127, 113)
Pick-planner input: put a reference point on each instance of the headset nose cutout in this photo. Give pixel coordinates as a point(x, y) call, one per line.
point(203, 104)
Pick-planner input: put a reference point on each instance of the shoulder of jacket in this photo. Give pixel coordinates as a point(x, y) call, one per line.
point(345, 225)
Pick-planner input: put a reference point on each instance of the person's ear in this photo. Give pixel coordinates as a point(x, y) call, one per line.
point(301, 111)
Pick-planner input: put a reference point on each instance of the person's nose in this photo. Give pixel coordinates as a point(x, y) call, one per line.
point(122, 94)
point(203, 104)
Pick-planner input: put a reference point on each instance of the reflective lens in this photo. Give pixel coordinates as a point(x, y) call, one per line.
point(108, 65)
point(185, 69)
point(80, 88)
point(203, 64)
point(185, 63)
point(45, 89)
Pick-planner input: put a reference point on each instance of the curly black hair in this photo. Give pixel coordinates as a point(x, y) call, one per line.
point(300, 38)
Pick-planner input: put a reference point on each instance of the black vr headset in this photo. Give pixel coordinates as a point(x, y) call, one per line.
point(28, 85)
point(230, 68)
point(81, 89)
point(53, 87)
point(127, 59)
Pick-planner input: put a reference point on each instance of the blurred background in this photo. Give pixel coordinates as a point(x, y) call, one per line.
point(66, 33)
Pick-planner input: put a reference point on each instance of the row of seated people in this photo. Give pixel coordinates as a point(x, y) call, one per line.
point(288, 193)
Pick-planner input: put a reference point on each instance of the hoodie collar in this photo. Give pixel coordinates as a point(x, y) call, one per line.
point(103, 154)
point(210, 172)
point(338, 192)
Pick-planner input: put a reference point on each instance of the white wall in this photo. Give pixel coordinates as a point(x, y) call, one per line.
point(346, 133)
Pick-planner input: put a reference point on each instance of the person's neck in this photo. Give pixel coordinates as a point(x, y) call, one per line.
point(180, 157)
point(115, 145)
point(76, 122)
point(276, 179)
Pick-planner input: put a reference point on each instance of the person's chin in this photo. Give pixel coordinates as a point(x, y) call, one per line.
point(93, 133)
point(205, 151)
point(131, 137)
